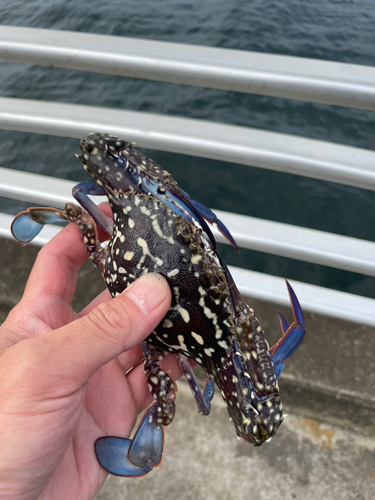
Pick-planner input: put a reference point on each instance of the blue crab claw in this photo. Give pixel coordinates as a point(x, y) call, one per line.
point(112, 454)
point(133, 457)
point(292, 337)
point(27, 225)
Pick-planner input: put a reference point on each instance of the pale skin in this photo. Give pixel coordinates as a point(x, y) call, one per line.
point(64, 377)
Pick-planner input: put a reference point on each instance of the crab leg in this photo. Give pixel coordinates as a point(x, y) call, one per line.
point(210, 216)
point(292, 336)
point(137, 457)
point(133, 457)
point(146, 448)
point(185, 201)
point(162, 388)
point(178, 201)
point(27, 225)
point(200, 212)
point(181, 203)
point(112, 454)
point(80, 192)
point(202, 399)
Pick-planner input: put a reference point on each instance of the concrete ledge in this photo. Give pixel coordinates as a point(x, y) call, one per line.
point(307, 460)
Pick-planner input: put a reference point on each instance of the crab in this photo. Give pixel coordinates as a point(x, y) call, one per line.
point(157, 227)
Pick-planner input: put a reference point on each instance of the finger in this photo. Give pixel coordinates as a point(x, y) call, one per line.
point(126, 360)
point(104, 296)
point(116, 412)
point(56, 268)
point(80, 348)
point(130, 359)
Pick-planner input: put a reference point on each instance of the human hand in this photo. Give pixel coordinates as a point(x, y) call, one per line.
point(64, 377)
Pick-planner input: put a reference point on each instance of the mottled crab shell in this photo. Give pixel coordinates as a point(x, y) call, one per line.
point(200, 324)
point(120, 153)
point(149, 237)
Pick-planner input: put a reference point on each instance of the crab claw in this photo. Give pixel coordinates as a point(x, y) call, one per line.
point(136, 457)
point(27, 225)
point(293, 335)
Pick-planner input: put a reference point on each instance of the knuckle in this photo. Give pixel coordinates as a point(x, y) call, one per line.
point(109, 320)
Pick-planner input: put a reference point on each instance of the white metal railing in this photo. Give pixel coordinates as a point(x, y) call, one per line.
point(316, 81)
point(309, 245)
point(310, 80)
point(258, 148)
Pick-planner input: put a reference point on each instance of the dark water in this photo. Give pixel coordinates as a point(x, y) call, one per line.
point(325, 29)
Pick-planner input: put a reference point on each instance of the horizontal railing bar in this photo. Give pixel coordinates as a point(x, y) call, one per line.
point(240, 71)
point(35, 188)
point(258, 148)
point(309, 245)
point(325, 301)
point(261, 286)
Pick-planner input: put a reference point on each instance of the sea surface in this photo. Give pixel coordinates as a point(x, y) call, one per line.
point(337, 30)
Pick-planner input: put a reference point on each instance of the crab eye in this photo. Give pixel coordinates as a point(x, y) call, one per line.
point(90, 147)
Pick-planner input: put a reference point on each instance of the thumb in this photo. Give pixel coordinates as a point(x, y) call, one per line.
point(79, 349)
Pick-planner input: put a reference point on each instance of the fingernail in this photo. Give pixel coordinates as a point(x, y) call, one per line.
point(148, 292)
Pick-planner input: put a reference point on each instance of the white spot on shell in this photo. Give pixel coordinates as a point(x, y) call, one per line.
point(145, 210)
point(159, 232)
point(195, 258)
point(143, 244)
point(128, 255)
point(223, 344)
point(184, 314)
point(172, 273)
point(198, 338)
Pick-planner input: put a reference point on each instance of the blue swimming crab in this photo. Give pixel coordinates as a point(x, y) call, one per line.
point(157, 227)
